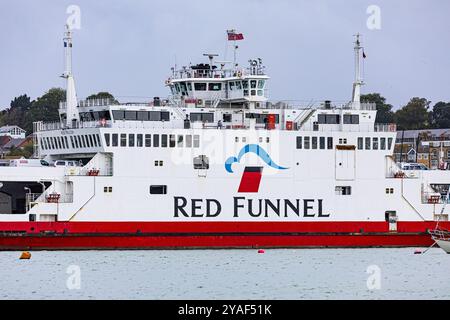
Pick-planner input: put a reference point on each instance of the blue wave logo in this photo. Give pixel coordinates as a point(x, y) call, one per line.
point(256, 149)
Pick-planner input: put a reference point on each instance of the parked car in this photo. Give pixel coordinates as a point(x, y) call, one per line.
point(414, 166)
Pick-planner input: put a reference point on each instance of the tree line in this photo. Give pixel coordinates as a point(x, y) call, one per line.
point(416, 114)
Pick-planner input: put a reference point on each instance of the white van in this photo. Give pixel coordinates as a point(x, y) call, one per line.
point(28, 163)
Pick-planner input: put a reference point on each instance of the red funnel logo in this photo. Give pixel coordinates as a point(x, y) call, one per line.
point(251, 179)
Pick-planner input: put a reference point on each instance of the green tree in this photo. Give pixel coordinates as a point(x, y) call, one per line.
point(102, 95)
point(414, 115)
point(16, 114)
point(384, 110)
point(440, 116)
point(45, 108)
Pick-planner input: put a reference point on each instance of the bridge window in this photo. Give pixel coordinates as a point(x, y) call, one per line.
point(238, 85)
point(119, 114)
point(329, 119)
point(200, 86)
point(215, 87)
point(148, 140)
point(307, 143)
point(164, 141)
point(172, 141)
point(131, 115)
point(390, 143)
point(351, 119)
point(360, 143)
point(156, 140)
point(202, 117)
point(123, 140)
point(158, 189)
point(115, 140)
point(299, 142)
point(253, 84)
point(261, 84)
point(180, 141)
point(188, 141)
point(330, 143)
point(368, 143)
point(142, 115)
point(375, 144)
point(131, 140)
point(383, 143)
point(201, 163)
point(314, 143)
point(343, 191)
point(139, 140)
point(107, 139)
point(322, 143)
point(165, 116)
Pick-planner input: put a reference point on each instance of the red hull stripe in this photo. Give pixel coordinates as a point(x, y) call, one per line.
point(139, 235)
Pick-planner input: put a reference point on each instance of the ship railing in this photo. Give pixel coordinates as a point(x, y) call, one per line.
point(434, 198)
point(47, 197)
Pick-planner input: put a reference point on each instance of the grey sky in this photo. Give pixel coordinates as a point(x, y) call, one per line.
point(128, 47)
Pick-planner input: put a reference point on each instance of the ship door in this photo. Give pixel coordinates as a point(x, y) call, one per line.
point(345, 164)
point(391, 218)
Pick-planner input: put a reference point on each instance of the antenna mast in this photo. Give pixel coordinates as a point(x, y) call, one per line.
point(72, 114)
point(356, 99)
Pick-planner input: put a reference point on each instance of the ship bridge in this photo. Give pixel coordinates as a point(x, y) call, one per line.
point(213, 85)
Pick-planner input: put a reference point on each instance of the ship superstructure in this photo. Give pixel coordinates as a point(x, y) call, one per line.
point(216, 164)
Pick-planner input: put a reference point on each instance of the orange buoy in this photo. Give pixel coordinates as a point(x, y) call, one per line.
point(25, 256)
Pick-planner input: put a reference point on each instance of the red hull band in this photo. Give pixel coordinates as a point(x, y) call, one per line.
point(180, 235)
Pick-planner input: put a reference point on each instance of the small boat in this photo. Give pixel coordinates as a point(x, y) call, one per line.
point(442, 238)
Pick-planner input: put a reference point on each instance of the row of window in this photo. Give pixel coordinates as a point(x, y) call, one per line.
point(149, 140)
point(315, 143)
point(374, 143)
point(141, 115)
point(336, 119)
point(346, 191)
point(75, 142)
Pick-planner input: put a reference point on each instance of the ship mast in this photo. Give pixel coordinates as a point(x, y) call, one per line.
point(72, 114)
point(356, 99)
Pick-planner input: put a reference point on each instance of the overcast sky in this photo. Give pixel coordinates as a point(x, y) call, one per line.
point(127, 47)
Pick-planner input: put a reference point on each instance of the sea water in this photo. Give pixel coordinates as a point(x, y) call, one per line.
point(227, 274)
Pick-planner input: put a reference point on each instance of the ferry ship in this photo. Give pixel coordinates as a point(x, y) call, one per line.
point(217, 165)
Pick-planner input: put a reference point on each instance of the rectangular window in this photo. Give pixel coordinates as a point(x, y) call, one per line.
point(97, 137)
point(142, 115)
point(200, 86)
point(330, 143)
point(119, 114)
point(71, 141)
point(322, 143)
point(164, 141)
point(343, 191)
point(131, 140)
point(148, 140)
point(351, 119)
point(139, 140)
point(131, 115)
point(91, 141)
point(328, 118)
point(107, 139)
point(165, 116)
point(115, 140)
point(158, 189)
point(202, 117)
point(375, 144)
point(360, 143)
point(155, 116)
point(83, 141)
point(180, 141)
point(196, 141)
point(314, 143)
point(156, 140)
point(172, 141)
point(215, 87)
point(368, 143)
point(123, 140)
point(299, 142)
point(189, 141)
point(390, 143)
point(307, 143)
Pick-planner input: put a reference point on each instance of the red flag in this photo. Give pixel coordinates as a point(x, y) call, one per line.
point(232, 36)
